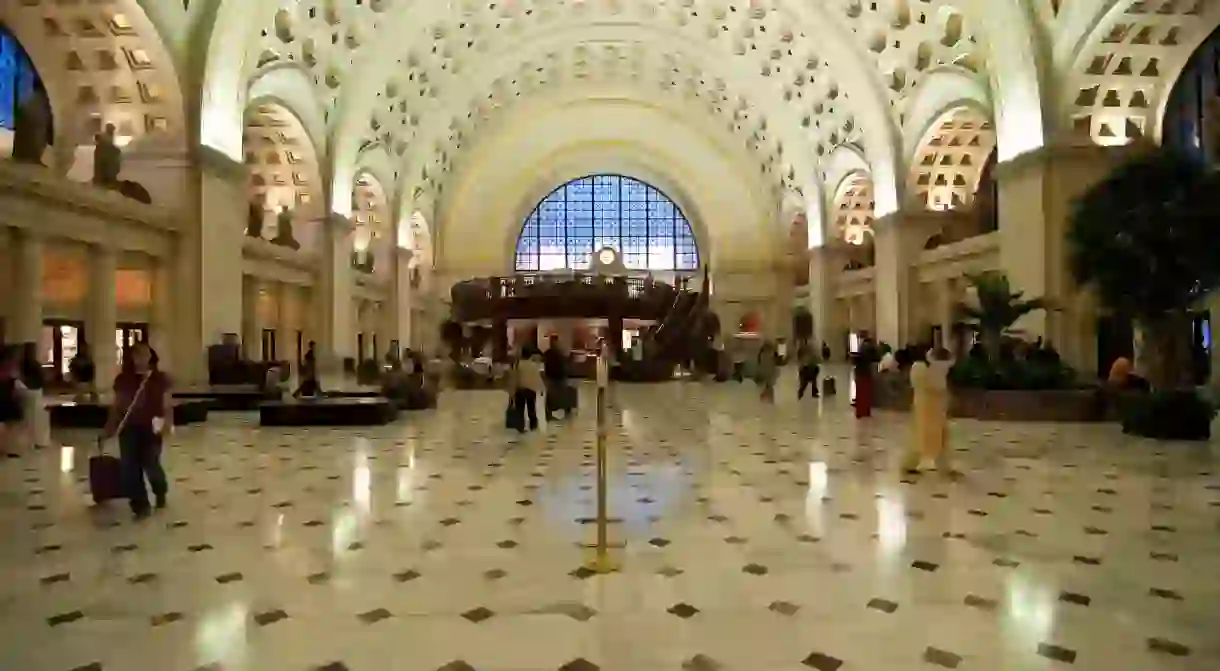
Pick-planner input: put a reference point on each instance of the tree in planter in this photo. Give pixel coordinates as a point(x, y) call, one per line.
point(1144, 239)
point(996, 309)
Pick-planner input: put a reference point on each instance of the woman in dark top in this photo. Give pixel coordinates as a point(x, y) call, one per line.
point(864, 367)
point(142, 396)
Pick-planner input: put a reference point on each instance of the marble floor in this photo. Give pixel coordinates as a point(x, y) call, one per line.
point(756, 539)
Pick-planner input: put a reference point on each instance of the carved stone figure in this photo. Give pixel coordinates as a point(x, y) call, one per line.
point(32, 128)
point(254, 219)
point(107, 159)
point(283, 229)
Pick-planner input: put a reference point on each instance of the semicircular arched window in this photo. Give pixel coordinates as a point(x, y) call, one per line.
point(587, 215)
point(17, 78)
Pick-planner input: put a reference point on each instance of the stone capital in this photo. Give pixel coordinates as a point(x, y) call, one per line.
point(220, 165)
point(339, 224)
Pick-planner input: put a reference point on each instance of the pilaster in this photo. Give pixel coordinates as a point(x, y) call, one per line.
point(100, 320)
point(398, 308)
point(27, 281)
point(337, 337)
point(822, 298)
point(1036, 194)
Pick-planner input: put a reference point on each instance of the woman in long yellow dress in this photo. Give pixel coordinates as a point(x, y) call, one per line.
point(930, 414)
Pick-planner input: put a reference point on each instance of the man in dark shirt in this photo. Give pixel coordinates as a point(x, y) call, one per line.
point(555, 372)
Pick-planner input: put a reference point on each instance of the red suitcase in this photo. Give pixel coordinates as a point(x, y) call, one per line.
point(105, 476)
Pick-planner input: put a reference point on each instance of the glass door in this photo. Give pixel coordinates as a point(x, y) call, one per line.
point(58, 344)
point(126, 335)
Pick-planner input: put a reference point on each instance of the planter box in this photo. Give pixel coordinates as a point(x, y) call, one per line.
point(893, 392)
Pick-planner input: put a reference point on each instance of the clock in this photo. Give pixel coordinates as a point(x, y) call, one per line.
point(607, 256)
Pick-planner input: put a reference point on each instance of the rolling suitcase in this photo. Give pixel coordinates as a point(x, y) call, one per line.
point(105, 471)
point(105, 476)
point(828, 386)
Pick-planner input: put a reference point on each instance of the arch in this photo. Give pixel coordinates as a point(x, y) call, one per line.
point(375, 62)
point(951, 158)
point(373, 238)
point(288, 86)
point(1194, 105)
point(284, 170)
point(552, 143)
point(20, 85)
point(1016, 64)
point(941, 92)
point(222, 99)
point(583, 216)
point(841, 164)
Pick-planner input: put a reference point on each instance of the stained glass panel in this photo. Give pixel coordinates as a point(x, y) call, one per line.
point(589, 214)
point(17, 78)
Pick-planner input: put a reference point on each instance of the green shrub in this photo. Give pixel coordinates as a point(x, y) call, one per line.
point(1030, 374)
point(1168, 415)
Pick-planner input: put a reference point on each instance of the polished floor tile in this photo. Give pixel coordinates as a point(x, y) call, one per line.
point(754, 538)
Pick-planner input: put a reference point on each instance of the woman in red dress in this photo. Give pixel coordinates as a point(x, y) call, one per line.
point(864, 367)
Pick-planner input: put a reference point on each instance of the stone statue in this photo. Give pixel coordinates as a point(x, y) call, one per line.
point(254, 219)
point(283, 229)
point(32, 128)
point(107, 159)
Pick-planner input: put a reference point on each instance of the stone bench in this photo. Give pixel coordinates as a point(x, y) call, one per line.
point(73, 415)
point(327, 412)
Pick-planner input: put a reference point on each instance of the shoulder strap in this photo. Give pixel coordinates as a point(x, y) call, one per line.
point(134, 400)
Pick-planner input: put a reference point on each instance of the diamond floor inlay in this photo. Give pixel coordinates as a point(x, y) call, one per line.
point(754, 538)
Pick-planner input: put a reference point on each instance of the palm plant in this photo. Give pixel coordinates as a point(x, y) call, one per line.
point(1144, 239)
point(996, 309)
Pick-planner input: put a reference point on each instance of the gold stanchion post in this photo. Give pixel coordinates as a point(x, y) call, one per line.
point(602, 561)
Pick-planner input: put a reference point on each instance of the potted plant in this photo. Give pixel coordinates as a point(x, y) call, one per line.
point(996, 308)
point(1144, 240)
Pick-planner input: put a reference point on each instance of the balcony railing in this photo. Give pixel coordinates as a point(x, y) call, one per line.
point(536, 295)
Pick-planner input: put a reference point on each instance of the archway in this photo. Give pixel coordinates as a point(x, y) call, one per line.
point(1192, 115)
point(644, 229)
point(372, 243)
point(854, 216)
point(24, 103)
point(285, 180)
point(953, 172)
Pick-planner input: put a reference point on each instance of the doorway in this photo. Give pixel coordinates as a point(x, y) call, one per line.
point(267, 350)
point(127, 334)
point(59, 343)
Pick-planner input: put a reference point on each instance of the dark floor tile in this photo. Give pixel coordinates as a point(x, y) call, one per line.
point(1074, 598)
point(883, 605)
point(374, 616)
point(202, 547)
point(1057, 653)
point(822, 662)
point(924, 566)
point(92, 666)
point(683, 610)
point(333, 666)
point(784, 608)
point(1165, 594)
point(659, 542)
point(1087, 561)
point(477, 615)
point(54, 579)
point(701, 663)
point(229, 577)
point(669, 571)
point(457, 665)
point(407, 576)
point(755, 569)
point(318, 578)
point(943, 658)
point(507, 544)
point(269, 617)
point(580, 664)
point(142, 578)
point(65, 618)
point(1164, 556)
point(982, 603)
point(166, 618)
point(1168, 647)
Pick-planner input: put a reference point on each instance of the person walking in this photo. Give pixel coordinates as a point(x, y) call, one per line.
point(767, 372)
point(555, 372)
point(807, 359)
point(930, 414)
point(529, 384)
point(141, 416)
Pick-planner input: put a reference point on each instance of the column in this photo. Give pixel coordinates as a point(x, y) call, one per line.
point(337, 333)
point(251, 333)
point(891, 282)
point(398, 307)
point(207, 259)
point(101, 317)
point(822, 299)
point(27, 282)
point(1036, 192)
point(285, 335)
point(162, 323)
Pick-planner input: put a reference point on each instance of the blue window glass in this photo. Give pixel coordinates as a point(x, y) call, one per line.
point(589, 214)
point(17, 78)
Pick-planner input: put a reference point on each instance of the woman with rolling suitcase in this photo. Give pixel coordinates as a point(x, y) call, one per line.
point(141, 416)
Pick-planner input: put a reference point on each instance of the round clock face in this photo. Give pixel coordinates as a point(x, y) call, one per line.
point(607, 256)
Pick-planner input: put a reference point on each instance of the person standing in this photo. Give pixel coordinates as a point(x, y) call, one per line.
point(38, 422)
point(808, 371)
point(768, 371)
point(930, 414)
point(825, 352)
point(142, 414)
point(528, 384)
point(555, 372)
point(84, 373)
point(864, 368)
